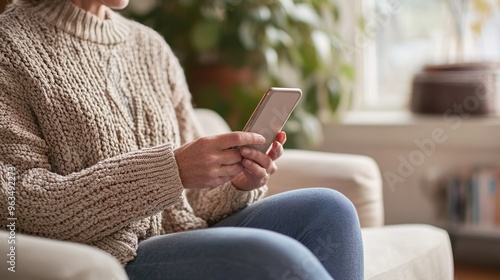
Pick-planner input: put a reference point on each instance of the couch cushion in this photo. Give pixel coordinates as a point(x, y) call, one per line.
point(41, 259)
point(407, 252)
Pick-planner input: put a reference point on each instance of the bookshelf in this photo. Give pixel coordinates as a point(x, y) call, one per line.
point(474, 198)
point(473, 214)
point(474, 245)
point(474, 231)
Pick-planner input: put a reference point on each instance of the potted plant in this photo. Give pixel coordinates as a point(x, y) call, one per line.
point(233, 50)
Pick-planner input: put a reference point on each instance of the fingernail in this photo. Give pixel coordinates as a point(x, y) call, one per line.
point(248, 162)
point(245, 151)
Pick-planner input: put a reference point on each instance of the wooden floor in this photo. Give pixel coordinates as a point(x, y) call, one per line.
point(474, 272)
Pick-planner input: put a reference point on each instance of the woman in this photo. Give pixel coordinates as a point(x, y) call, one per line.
point(96, 119)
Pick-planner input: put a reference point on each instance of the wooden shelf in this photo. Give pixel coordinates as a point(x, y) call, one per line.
point(474, 244)
point(474, 231)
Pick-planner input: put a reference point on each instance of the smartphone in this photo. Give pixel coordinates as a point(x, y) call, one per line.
point(271, 114)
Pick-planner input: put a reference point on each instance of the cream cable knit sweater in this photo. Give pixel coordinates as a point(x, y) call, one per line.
point(90, 112)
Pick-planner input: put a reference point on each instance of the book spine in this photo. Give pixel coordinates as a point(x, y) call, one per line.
point(497, 199)
point(474, 198)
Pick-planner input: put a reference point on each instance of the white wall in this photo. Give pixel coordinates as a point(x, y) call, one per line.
point(412, 152)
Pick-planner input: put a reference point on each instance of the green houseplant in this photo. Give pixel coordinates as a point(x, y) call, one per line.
point(233, 50)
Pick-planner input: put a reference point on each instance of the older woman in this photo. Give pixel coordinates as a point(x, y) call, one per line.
point(96, 121)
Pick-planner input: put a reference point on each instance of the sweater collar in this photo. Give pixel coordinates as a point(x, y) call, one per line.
point(80, 23)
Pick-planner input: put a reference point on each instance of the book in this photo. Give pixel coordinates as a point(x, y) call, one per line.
point(485, 197)
point(497, 201)
point(474, 198)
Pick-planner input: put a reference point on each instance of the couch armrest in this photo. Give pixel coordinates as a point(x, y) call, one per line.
point(357, 177)
point(40, 258)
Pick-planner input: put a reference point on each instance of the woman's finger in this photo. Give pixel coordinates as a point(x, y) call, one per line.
point(229, 156)
point(281, 137)
point(230, 170)
point(257, 156)
point(276, 151)
point(254, 168)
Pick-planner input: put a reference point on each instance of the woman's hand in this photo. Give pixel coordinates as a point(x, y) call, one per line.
point(258, 166)
point(212, 161)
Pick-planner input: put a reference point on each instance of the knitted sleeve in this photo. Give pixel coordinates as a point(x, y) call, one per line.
point(84, 206)
point(211, 204)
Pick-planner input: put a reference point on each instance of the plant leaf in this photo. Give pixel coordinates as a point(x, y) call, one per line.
point(305, 13)
point(311, 101)
point(271, 59)
point(333, 93)
point(322, 45)
point(277, 36)
point(205, 35)
point(247, 35)
point(261, 14)
point(348, 71)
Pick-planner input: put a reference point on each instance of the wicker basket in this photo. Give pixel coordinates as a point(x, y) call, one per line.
point(456, 89)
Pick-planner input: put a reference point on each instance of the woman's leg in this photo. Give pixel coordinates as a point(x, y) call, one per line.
point(224, 253)
point(324, 220)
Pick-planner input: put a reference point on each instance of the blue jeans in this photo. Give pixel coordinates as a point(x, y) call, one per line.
point(303, 234)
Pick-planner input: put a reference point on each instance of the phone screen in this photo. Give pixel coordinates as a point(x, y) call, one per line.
point(271, 114)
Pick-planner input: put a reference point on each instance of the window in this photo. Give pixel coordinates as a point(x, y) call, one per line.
point(401, 36)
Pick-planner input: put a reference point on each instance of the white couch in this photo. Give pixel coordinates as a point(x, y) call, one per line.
point(391, 252)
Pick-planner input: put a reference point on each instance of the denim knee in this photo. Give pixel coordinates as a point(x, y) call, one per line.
point(324, 203)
